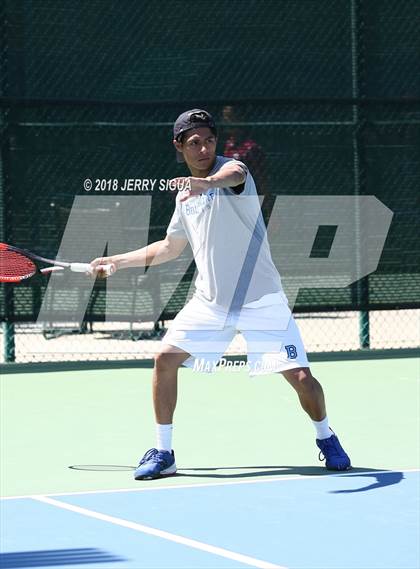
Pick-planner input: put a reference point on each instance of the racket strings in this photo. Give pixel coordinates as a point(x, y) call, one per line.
point(15, 266)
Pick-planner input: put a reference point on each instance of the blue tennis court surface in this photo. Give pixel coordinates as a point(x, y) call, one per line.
point(340, 521)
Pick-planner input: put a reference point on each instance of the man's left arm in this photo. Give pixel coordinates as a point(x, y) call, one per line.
point(230, 175)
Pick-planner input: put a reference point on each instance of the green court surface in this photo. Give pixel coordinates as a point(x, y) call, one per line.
point(228, 426)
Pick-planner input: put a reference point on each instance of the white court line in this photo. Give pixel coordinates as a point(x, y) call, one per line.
point(162, 534)
point(284, 478)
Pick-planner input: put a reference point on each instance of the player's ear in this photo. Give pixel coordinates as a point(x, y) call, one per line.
point(178, 145)
point(179, 154)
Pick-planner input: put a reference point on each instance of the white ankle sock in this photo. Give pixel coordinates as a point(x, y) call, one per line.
point(164, 437)
point(323, 430)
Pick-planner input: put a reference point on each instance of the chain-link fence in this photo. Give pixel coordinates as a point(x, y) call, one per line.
point(318, 98)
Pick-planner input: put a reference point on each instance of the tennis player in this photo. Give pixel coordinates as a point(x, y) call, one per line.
point(238, 289)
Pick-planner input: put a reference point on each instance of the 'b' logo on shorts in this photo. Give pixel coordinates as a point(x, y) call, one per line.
point(291, 351)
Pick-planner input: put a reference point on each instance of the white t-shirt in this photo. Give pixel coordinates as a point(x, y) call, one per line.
point(228, 238)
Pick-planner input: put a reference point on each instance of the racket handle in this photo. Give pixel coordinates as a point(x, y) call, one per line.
point(49, 270)
point(86, 268)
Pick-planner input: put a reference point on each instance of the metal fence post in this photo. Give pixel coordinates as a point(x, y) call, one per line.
point(360, 290)
point(7, 118)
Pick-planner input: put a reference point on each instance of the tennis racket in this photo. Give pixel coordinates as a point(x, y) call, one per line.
point(17, 265)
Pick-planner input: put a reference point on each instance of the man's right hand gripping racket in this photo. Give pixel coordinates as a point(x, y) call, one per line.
point(17, 265)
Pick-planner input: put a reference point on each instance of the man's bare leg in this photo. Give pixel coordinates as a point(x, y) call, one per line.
point(311, 397)
point(309, 391)
point(160, 461)
point(165, 382)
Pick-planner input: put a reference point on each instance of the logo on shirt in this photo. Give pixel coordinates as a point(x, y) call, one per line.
point(199, 204)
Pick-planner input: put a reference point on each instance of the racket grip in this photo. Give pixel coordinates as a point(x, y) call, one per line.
point(86, 268)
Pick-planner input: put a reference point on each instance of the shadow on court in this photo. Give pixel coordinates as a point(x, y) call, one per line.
point(55, 557)
point(265, 471)
point(382, 478)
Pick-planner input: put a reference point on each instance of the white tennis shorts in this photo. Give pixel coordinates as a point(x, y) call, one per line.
point(273, 339)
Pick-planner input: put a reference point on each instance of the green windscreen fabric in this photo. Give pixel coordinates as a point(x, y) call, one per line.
point(327, 91)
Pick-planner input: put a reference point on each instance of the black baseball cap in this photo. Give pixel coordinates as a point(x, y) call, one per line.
point(195, 118)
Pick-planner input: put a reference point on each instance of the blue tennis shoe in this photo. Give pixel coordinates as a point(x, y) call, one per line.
point(155, 464)
point(333, 453)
